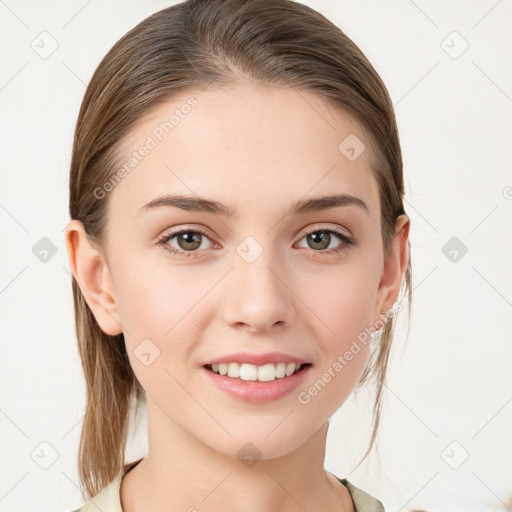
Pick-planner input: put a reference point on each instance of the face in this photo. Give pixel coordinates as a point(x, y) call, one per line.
point(264, 279)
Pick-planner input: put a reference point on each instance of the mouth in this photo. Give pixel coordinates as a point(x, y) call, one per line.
point(256, 384)
point(250, 372)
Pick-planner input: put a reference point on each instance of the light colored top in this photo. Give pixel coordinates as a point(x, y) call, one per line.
point(109, 499)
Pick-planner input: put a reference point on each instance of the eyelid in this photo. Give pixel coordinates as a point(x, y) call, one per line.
point(186, 229)
point(163, 240)
point(319, 226)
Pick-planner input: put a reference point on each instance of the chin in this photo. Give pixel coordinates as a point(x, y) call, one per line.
point(260, 443)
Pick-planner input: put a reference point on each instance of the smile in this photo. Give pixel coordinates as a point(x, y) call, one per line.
point(251, 372)
point(245, 383)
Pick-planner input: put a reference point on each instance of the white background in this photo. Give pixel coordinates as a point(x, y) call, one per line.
point(449, 381)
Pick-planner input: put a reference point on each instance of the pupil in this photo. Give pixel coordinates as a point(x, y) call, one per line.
point(323, 236)
point(188, 237)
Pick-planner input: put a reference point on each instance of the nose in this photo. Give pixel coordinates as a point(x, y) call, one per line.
point(258, 296)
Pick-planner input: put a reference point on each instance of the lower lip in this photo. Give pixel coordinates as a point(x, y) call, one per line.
point(255, 391)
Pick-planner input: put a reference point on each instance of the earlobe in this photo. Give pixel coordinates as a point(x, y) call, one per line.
point(395, 266)
point(93, 277)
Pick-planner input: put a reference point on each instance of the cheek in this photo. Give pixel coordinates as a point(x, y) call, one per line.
point(163, 310)
point(154, 298)
point(342, 298)
point(342, 302)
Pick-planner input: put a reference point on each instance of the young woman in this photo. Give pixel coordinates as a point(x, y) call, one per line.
point(238, 243)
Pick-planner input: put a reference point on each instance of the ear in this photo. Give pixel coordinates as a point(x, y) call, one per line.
point(93, 276)
point(395, 265)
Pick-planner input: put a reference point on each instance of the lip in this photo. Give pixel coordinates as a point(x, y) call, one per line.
point(255, 391)
point(257, 359)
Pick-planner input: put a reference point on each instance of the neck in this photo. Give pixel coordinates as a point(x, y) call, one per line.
point(180, 473)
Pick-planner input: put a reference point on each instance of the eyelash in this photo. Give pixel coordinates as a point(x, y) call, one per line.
point(163, 241)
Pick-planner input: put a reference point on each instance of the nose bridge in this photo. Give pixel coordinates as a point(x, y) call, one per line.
point(259, 296)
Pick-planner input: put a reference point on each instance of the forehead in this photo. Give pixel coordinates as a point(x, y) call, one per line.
point(250, 146)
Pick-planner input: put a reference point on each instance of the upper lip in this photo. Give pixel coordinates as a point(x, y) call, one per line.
point(257, 359)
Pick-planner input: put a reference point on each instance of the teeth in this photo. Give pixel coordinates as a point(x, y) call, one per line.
point(264, 373)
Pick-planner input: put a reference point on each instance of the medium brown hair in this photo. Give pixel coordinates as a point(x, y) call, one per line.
point(186, 46)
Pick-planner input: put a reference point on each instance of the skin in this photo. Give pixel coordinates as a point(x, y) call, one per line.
point(257, 149)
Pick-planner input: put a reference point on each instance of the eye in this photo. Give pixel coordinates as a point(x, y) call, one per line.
point(188, 241)
point(321, 239)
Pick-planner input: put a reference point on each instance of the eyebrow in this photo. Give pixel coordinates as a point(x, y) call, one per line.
point(199, 204)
